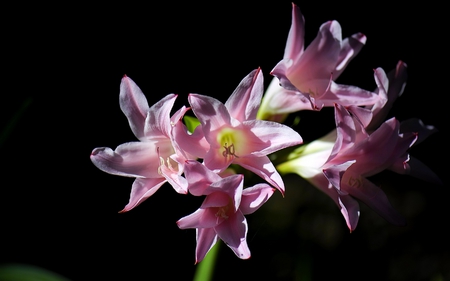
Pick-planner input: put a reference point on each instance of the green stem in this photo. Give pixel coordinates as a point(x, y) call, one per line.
point(205, 268)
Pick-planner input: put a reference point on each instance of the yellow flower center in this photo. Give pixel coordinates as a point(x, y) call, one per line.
point(228, 138)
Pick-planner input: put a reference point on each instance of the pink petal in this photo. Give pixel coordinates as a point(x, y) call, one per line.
point(201, 218)
point(364, 190)
point(351, 46)
point(243, 104)
point(158, 123)
point(134, 105)
point(295, 41)
point(233, 231)
point(350, 211)
point(254, 197)
point(141, 190)
point(199, 177)
point(312, 71)
point(211, 112)
point(194, 144)
point(206, 239)
point(263, 167)
point(270, 137)
point(133, 159)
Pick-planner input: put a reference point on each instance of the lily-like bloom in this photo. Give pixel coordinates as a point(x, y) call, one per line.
point(153, 160)
point(235, 136)
point(391, 86)
point(340, 162)
point(357, 155)
point(222, 213)
point(311, 72)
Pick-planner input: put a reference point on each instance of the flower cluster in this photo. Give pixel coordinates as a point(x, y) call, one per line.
point(207, 154)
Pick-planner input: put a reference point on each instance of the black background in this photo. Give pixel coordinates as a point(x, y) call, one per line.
point(59, 212)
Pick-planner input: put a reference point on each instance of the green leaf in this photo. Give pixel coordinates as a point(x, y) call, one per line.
point(191, 122)
point(24, 272)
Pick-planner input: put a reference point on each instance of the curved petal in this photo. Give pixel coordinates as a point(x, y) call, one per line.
point(312, 72)
point(351, 46)
point(233, 231)
point(419, 170)
point(206, 239)
point(158, 123)
point(202, 218)
point(232, 186)
point(417, 126)
point(199, 177)
point(364, 190)
point(132, 159)
point(141, 190)
point(350, 211)
point(209, 111)
point(347, 95)
point(295, 41)
point(263, 167)
point(270, 137)
point(254, 197)
point(243, 104)
point(134, 105)
point(194, 144)
point(278, 102)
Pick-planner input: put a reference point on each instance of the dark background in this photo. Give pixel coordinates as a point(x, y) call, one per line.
point(62, 66)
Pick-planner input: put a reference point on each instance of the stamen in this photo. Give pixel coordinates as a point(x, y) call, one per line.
point(355, 182)
point(222, 213)
point(229, 150)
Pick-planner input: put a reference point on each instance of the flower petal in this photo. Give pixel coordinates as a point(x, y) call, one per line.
point(270, 137)
point(263, 167)
point(351, 46)
point(201, 218)
point(134, 105)
point(350, 210)
point(233, 231)
point(243, 104)
point(141, 190)
point(295, 41)
point(209, 111)
point(158, 122)
point(206, 239)
point(254, 197)
point(364, 190)
point(132, 159)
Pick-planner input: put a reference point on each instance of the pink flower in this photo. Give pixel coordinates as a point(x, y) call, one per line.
point(312, 71)
point(357, 155)
point(155, 158)
point(361, 146)
point(390, 87)
point(233, 134)
point(222, 213)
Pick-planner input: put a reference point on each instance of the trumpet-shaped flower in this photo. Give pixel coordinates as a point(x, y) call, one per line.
point(155, 158)
point(340, 162)
point(235, 136)
point(222, 213)
point(391, 86)
point(312, 71)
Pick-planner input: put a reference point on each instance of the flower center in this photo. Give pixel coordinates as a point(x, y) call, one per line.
point(165, 164)
point(223, 212)
point(227, 139)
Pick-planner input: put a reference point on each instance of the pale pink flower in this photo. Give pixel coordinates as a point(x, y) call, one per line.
point(340, 162)
point(391, 86)
point(155, 158)
point(312, 71)
point(222, 213)
point(233, 134)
